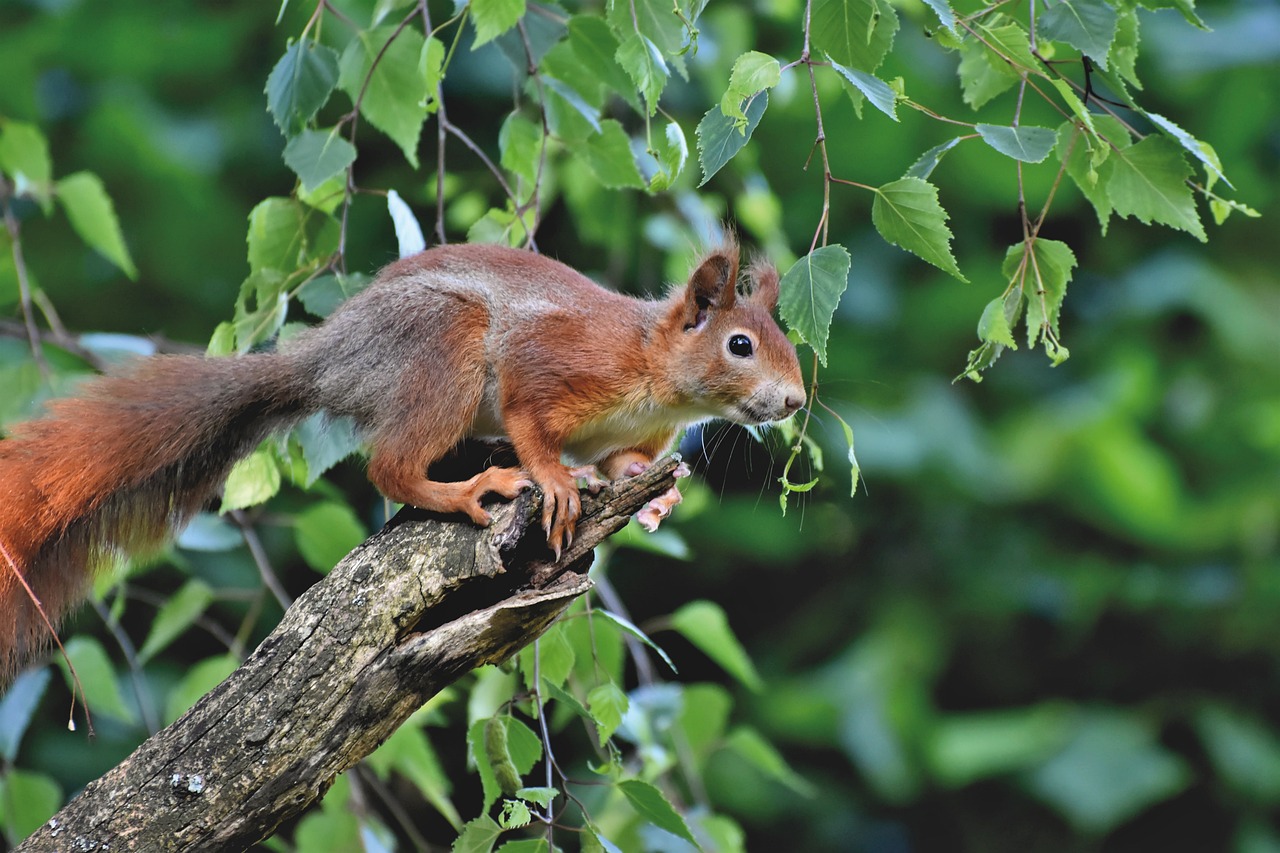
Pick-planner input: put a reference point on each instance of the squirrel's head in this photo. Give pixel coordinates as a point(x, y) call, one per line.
point(730, 355)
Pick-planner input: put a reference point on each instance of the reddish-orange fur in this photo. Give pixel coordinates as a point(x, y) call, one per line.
point(457, 342)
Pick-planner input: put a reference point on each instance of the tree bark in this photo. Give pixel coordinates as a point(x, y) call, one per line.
point(420, 603)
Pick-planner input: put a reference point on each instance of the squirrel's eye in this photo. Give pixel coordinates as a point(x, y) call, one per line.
point(740, 345)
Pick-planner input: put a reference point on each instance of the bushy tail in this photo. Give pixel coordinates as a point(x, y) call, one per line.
point(118, 467)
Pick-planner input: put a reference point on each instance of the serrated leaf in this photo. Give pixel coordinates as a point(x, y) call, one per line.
point(994, 325)
point(515, 815)
point(1010, 44)
point(607, 704)
point(855, 33)
point(654, 19)
point(643, 62)
point(1186, 7)
point(93, 217)
point(17, 707)
point(1192, 145)
point(1148, 181)
point(923, 167)
point(254, 480)
point(478, 836)
point(275, 235)
point(943, 10)
point(175, 616)
point(704, 624)
point(323, 294)
point(300, 84)
point(608, 156)
point(719, 140)
point(327, 532)
point(492, 18)
point(752, 72)
point(982, 75)
point(1087, 25)
point(98, 677)
point(906, 212)
point(1028, 144)
point(555, 658)
point(1124, 50)
point(653, 807)
point(855, 470)
point(1040, 271)
point(810, 292)
point(878, 92)
point(315, 156)
point(392, 93)
point(574, 99)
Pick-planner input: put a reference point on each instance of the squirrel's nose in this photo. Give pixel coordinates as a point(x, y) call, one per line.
point(794, 401)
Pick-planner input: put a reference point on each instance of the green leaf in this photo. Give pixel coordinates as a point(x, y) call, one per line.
point(555, 658)
point(643, 62)
point(574, 98)
point(810, 292)
point(1245, 752)
point(30, 799)
point(923, 167)
point(607, 704)
point(1009, 45)
point(596, 48)
point(1087, 25)
point(1186, 7)
point(1041, 275)
point(395, 90)
point(854, 33)
point(17, 707)
point(982, 75)
point(752, 72)
point(967, 747)
point(93, 217)
point(1196, 148)
point(539, 796)
point(300, 84)
point(907, 214)
point(327, 532)
point(1084, 153)
point(323, 294)
point(492, 18)
point(994, 325)
point(1112, 769)
point(943, 10)
point(719, 140)
point(1028, 144)
point(649, 802)
point(252, 481)
point(637, 633)
point(654, 19)
point(608, 155)
point(515, 815)
point(520, 143)
point(409, 752)
point(24, 157)
point(878, 92)
point(275, 235)
point(1124, 50)
point(94, 669)
point(431, 69)
point(175, 616)
point(315, 156)
point(751, 746)
point(671, 155)
point(1149, 181)
point(196, 682)
point(478, 836)
point(704, 624)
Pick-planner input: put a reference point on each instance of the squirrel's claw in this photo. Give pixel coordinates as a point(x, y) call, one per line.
point(659, 508)
point(561, 507)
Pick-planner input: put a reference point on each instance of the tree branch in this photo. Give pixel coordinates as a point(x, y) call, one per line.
point(419, 604)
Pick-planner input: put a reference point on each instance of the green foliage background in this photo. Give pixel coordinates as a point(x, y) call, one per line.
point(1046, 621)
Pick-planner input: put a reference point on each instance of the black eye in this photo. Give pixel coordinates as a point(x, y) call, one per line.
point(740, 345)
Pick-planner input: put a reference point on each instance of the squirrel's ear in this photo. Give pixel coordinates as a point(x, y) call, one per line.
point(711, 287)
point(764, 286)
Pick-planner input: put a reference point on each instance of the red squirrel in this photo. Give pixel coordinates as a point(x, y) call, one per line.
point(460, 341)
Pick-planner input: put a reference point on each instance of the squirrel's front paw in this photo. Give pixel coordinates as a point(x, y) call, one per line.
point(561, 507)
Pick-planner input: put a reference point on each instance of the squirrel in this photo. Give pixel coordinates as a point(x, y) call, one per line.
point(459, 341)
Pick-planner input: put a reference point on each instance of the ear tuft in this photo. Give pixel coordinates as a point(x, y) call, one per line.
point(712, 287)
point(764, 285)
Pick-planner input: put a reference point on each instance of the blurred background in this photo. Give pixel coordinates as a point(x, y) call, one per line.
point(1050, 617)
